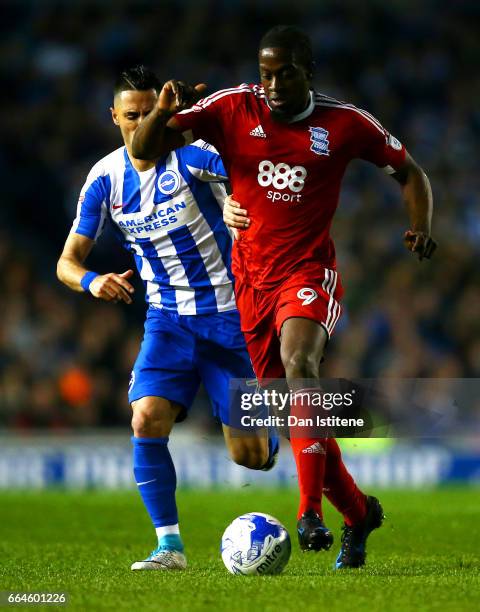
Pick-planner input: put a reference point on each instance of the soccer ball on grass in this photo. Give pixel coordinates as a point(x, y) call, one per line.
point(255, 544)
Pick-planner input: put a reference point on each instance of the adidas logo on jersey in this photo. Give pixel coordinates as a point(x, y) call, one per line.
point(316, 447)
point(258, 132)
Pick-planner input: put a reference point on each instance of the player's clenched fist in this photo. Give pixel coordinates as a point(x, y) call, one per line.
point(177, 95)
point(113, 287)
point(420, 243)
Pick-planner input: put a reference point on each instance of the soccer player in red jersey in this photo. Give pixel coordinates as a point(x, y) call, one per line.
point(286, 148)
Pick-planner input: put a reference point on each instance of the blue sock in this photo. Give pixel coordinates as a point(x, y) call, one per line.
point(273, 448)
point(273, 442)
point(156, 479)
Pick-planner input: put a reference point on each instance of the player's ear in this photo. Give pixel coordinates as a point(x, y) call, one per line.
point(114, 116)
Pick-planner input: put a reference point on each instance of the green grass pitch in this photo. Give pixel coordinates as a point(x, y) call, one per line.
point(425, 557)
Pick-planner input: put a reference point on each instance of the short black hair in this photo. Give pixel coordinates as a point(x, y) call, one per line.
point(292, 38)
point(137, 78)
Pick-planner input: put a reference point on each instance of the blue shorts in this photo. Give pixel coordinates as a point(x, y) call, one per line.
point(179, 352)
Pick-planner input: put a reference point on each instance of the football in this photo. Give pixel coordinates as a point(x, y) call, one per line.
point(255, 544)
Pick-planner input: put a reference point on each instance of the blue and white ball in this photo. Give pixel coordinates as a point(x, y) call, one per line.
point(255, 544)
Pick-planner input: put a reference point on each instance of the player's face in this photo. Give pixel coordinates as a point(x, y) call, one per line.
point(130, 109)
point(286, 82)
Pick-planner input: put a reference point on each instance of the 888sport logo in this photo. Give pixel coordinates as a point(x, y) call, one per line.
point(287, 182)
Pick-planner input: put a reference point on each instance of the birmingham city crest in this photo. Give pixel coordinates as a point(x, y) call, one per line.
point(319, 140)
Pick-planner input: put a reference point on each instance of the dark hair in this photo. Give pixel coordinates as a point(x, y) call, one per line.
point(137, 78)
point(292, 38)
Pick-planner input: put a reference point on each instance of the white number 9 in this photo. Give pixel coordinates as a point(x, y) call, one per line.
point(307, 295)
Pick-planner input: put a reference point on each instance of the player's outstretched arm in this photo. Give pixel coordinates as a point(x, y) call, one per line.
point(417, 195)
point(158, 133)
point(71, 271)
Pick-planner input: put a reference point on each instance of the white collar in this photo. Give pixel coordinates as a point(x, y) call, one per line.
point(304, 114)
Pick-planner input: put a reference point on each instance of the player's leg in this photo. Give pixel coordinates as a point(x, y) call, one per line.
point(320, 304)
point(152, 422)
point(303, 343)
point(250, 451)
point(362, 514)
point(163, 386)
point(340, 488)
point(223, 356)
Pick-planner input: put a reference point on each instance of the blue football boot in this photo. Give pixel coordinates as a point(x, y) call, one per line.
point(354, 539)
point(167, 556)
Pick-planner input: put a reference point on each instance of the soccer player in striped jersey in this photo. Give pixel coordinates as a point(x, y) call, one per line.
point(168, 213)
point(286, 148)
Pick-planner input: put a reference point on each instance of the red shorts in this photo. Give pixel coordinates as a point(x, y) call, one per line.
point(263, 312)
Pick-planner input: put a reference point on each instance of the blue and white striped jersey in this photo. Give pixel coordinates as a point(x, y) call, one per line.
point(170, 218)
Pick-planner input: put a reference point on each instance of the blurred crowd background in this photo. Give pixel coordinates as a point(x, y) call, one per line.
point(65, 358)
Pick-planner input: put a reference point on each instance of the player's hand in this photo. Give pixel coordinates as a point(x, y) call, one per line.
point(420, 243)
point(235, 216)
point(177, 95)
point(113, 287)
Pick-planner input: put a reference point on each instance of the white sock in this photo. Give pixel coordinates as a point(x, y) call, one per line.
point(167, 530)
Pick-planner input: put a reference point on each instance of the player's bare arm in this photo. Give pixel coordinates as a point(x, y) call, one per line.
point(417, 195)
point(159, 133)
point(110, 287)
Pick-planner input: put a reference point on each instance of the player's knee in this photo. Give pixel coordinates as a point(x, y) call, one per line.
point(252, 457)
point(149, 420)
point(145, 426)
point(301, 364)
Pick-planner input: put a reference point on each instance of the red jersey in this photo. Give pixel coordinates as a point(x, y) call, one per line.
point(287, 175)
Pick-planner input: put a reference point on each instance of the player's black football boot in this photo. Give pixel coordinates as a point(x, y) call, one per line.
point(354, 539)
point(312, 533)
